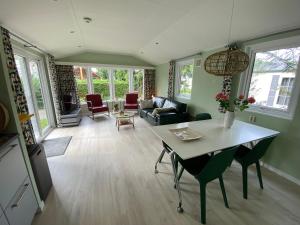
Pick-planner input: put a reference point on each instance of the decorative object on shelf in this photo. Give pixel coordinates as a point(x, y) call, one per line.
point(230, 105)
point(229, 62)
point(23, 117)
point(4, 117)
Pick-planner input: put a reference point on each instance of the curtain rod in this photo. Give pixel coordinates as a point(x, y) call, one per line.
point(27, 46)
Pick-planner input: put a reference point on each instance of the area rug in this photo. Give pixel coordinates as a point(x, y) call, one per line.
point(56, 146)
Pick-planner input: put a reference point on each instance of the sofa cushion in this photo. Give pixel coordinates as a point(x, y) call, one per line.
point(179, 106)
point(146, 104)
point(158, 102)
point(157, 111)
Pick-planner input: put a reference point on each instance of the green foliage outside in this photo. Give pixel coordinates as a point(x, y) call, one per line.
point(43, 123)
point(37, 91)
point(186, 77)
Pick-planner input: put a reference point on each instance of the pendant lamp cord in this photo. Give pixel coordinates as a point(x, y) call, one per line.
point(230, 24)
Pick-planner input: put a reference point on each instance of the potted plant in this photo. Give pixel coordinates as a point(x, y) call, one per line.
point(230, 105)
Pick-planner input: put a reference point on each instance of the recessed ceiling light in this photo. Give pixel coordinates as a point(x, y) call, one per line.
point(72, 32)
point(79, 46)
point(156, 43)
point(87, 19)
point(142, 52)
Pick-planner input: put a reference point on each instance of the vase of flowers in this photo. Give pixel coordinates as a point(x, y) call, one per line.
point(230, 105)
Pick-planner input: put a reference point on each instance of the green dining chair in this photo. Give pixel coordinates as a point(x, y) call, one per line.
point(200, 116)
point(207, 168)
point(246, 157)
point(203, 116)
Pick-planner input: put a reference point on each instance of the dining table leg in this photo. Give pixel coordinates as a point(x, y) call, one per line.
point(177, 185)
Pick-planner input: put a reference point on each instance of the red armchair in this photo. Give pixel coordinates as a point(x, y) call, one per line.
point(131, 101)
point(95, 104)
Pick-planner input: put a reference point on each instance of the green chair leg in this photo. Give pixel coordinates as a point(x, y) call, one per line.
point(203, 202)
point(223, 191)
point(259, 175)
point(245, 181)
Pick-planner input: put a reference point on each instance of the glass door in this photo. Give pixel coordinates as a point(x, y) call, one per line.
point(30, 71)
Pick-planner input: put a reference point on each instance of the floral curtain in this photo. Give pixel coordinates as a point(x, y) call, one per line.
point(171, 80)
point(17, 87)
point(149, 83)
point(226, 89)
point(54, 87)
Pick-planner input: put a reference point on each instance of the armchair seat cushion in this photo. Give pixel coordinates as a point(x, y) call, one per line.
point(98, 109)
point(130, 106)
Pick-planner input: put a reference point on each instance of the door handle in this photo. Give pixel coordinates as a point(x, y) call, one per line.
point(20, 197)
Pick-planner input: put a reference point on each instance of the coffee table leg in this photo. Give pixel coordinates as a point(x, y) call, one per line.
point(118, 125)
point(133, 121)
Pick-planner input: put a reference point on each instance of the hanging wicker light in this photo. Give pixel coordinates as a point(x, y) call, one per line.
point(226, 63)
point(229, 62)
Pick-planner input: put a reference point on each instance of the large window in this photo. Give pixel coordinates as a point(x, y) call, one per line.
point(184, 78)
point(111, 83)
point(272, 78)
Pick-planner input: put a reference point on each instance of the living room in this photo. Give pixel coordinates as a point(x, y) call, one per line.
point(149, 112)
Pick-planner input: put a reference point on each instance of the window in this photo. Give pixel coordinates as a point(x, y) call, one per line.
point(121, 83)
point(138, 84)
point(184, 78)
point(272, 79)
point(100, 80)
point(32, 74)
point(111, 83)
point(82, 82)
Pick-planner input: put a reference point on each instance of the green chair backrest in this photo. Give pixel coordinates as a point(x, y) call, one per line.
point(217, 165)
point(203, 116)
point(258, 151)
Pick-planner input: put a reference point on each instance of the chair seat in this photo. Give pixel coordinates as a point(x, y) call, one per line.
point(195, 165)
point(241, 152)
point(99, 109)
point(130, 106)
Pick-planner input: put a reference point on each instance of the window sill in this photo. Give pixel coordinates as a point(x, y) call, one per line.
point(270, 112)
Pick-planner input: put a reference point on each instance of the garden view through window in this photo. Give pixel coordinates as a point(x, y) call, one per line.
point(111, 83)
point(184, 78)
point(273, 76)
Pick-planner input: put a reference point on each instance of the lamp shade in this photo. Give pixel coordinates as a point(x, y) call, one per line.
point(226, 63)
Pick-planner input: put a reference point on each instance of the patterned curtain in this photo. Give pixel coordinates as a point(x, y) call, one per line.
point(171, 80)
point(226, 89)
point(67, 84)
point(149, 83)
point(17, 87)
point(54, 87)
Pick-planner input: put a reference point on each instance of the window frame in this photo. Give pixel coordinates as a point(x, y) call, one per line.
point(178, 64)
point(110, 69)
point(245, 78)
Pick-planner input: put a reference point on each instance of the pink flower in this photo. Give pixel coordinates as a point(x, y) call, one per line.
point(241, 97)
point(251, 100)
point(219, 96)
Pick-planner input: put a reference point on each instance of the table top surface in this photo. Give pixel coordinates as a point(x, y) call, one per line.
point(125, 115)
point(215, 136)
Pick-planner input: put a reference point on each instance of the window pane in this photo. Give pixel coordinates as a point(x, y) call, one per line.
point(39, 95)
point(100, 79)
point(185, 79)
point(273, 77)
point(138, 82)
point(121, 81)
point(81, 81)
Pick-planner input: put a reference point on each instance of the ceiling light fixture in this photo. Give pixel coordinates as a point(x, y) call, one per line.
point(87, 19)
point(156, 43)
point(72, 32)
point(79, 46)
point(229, 62)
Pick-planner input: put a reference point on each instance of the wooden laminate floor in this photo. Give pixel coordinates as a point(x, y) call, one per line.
point(107, 177)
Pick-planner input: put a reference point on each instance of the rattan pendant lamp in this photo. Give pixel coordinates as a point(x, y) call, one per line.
point(229, 62)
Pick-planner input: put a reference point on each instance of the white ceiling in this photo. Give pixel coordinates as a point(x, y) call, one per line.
point(132, 27)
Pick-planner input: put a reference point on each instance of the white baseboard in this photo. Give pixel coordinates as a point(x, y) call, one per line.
point(281, 173)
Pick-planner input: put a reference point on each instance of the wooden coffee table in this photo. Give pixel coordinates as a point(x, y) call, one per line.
point(127, 118)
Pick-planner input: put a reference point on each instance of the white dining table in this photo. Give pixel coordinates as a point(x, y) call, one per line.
point(214, 137)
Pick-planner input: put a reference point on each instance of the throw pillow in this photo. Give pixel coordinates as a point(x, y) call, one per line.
point(160, 110)
point(146, 104)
